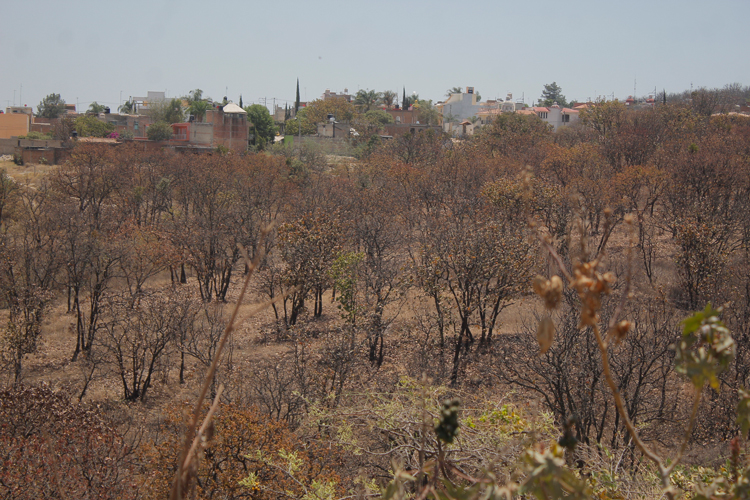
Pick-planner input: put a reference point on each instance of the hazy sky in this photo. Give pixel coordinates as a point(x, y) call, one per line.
point(102, 50)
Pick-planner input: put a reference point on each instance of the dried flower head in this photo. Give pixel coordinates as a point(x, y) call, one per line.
point(545, 334)
point(621, 329)
point(549, 289)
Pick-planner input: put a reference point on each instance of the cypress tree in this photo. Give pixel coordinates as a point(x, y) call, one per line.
point(240, 100)
point(296, 103)
point(403, 100)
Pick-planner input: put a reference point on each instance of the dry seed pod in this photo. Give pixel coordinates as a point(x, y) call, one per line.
point(545, 334)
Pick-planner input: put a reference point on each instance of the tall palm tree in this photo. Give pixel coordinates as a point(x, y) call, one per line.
point(365, 100)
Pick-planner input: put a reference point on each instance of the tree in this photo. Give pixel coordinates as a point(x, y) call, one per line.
point(308, 247)
point(95, 108)
point(370, 124)
point(50, 448)
point(138, 337)
point(264, 130)
point(404, 102)
point(167, 111)
point(197, 105)
point(388, 98)
point(318, 110)
point(89, 125)
point(296, 100)
point(365, 100)
point(250, 456)
point(517, 137)
point(127, 108)
point(292, 126)
point(51, 106)
point(453, 90)
point(427, 114)
point(87, 222)
point(29, 260)
point(552, 94)
point(159, 131)
point(198, 109)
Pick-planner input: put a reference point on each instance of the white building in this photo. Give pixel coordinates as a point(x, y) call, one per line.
point(460, 107)
point(557, 116)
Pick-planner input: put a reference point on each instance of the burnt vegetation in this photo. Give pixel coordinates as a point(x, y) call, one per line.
point(393, 282)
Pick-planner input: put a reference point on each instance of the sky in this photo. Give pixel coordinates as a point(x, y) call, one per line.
point(107, 51)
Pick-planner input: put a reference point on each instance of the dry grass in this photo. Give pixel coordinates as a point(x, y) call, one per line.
point(30, 173)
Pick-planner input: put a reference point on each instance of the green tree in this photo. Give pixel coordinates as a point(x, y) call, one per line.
point(197, 104)
point(426, 112)
point(365, 100)
point(296, 101)
point(389, 97)
point(319, 109)
point(90, 126)
point(96, 108)
point(167, 111)
point(51, 106)
point(127, 108)
point(453, 90)
point(159, 131)
point(378, 117)
point(552, 94)
point(293, 125)
point(198, 109)
point(263, 128)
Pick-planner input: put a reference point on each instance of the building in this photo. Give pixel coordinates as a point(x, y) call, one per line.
point(460, 107)
point(230, 128)
point(141, 104)
point(333, 95)
point(403, 116)
point(557, 116)
point(15, 122)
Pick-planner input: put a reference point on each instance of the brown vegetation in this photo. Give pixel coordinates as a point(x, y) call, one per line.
point(416, 261)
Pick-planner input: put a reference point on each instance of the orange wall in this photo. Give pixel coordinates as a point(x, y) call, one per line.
point(13, 125)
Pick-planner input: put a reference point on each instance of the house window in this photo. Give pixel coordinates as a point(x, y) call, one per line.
point(542, 115)
point(566, 118)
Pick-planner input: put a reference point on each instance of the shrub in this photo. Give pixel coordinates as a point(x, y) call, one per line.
point(159, 131)
point(50, 448)
point(91, 126)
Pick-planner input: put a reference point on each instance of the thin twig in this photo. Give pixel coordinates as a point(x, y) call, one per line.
point(177, 485)
point(201, 432)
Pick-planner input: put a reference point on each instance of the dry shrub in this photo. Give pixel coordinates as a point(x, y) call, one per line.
point(244, 443)
point(50, 448)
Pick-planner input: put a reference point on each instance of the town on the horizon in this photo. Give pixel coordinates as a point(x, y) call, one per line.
point(198, 122)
